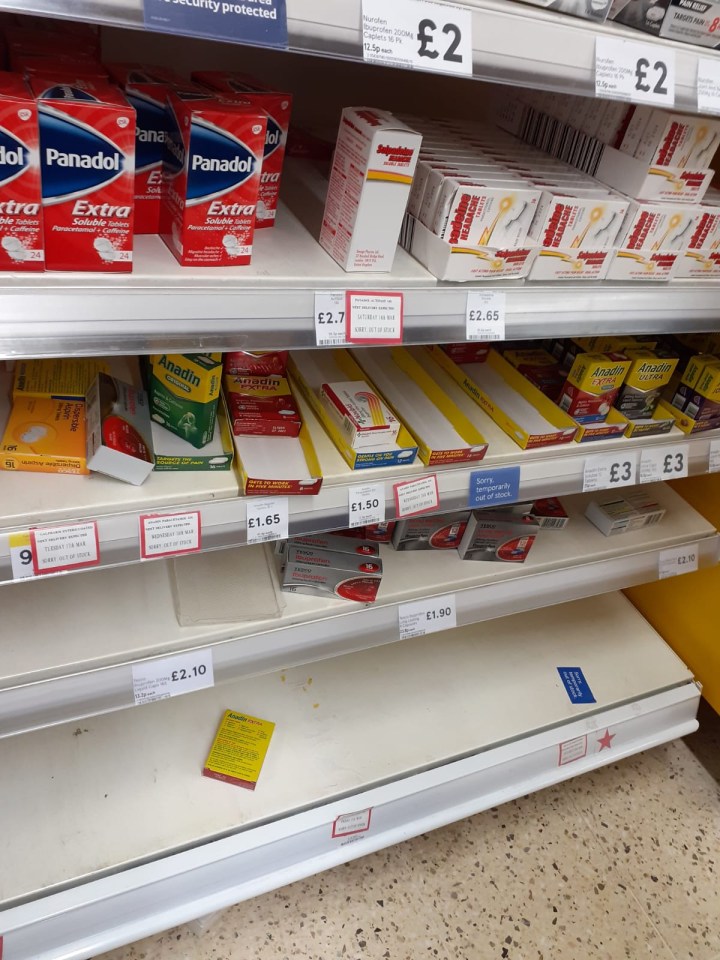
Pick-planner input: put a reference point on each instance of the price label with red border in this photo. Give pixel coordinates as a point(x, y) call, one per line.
point(413, 497)
point(351, 823)
point(72, 546)
point(169, 534)
point(373, 317)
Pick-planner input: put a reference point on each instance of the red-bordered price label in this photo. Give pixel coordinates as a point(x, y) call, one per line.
point(169, 534)
point(71, 546)
point(373, 317)
point(413, 497)
point(349, 824)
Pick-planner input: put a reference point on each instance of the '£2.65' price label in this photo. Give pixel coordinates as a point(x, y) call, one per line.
point(267, 520)
point(418, 33)
point(606, 471)
point(172, 676)
point(427, 616)
point(625, 70)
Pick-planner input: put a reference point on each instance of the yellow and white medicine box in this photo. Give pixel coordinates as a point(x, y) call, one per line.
point(592, 385)
point(239, 749)
point(362, 417)
point(45, 436)
point(57, 379)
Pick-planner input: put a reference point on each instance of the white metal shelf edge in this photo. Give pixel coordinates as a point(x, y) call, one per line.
point(78, 696)
point(91, 918)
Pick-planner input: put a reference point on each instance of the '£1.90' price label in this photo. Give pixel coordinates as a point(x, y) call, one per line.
point(172, 676)
point(267, 520)
point(427, 616)
point(366, 504)
point(607, 471)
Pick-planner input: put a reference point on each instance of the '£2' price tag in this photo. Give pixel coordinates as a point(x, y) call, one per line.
point(418, 33)
point(625, 70)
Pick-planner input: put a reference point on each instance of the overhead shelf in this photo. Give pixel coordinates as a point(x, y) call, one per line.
point(512, 43)
point(28, 500)
point(104, 625)
point(129, 838)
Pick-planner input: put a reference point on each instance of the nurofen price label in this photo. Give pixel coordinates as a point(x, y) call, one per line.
point(366, 504)
point(172, 676)
point(485, 315)
point(169, 534)
point(267, 520)
point(708, 86)
point(373, 318)
point(21, 556)
point(640, 72)
point(664, 463)
point(418, 33)
point(677, 560)
point(350, 823)
point(330, 318)
point(413, 497)
point(606, 471)
point(427, 616)
point(68, 547)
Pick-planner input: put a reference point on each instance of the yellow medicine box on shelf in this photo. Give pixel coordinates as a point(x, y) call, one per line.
point(57, 379)
point(239, 749)
point(45, 436)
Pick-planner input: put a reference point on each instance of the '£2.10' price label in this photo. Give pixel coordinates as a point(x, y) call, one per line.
point(625, 70)
point(606, 471)
point(172, 676)
point(418, 33)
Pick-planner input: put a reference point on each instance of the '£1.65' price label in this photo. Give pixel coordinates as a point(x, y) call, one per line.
point(607, 471)
point(172, 676)
point(427, 616)
point(418, 33)
point(634, 71)
point(267, 520)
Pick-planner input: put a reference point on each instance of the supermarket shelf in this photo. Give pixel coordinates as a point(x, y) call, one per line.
point(44, 499)
point(82, 670)
point(512, 43)
point(444, 746)
point(270, 304)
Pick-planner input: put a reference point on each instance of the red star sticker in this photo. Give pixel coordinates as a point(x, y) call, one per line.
point(606, 739)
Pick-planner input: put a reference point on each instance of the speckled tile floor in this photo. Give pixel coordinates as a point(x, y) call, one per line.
point(622, 862)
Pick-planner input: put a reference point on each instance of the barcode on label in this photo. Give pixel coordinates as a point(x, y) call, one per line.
point(550, 522)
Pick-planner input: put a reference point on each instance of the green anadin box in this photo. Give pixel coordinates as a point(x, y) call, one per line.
point(184, 391)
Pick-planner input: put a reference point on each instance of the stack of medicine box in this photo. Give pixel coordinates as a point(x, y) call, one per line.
point(331, 565)
point(504, 209)
point(660, 160)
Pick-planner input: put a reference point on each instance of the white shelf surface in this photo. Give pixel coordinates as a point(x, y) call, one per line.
point(270, 304)
point(103, 625)
point(129, 838)
point(512, 43)
point(44, 499)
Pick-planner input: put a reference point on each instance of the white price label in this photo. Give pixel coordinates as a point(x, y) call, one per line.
point(21, 556)
point(714, 457)
point(330, 318)
point(351, 823)
point(485, 315)
point(373, 317)
point(267, 520)
point(427, 616)
point(418, 33)
point(169, 534)
point(366, 504)
point(708, 86)
point(606, 471)
point(664, 463)
point(172, 676)
point(676, 560)
point(416, 496)
point(625, 70)
point(69, 547)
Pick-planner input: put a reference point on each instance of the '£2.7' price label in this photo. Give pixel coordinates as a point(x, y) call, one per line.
point(625, 70)
point(330, 318)
point(607, 471)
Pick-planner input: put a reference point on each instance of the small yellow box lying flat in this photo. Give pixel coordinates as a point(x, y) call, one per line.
point(238, 750)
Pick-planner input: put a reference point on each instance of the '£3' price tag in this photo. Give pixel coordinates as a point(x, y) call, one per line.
point(610, 470)
point(664, 463)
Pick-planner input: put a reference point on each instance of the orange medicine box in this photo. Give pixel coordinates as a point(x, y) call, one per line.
point(45, 436)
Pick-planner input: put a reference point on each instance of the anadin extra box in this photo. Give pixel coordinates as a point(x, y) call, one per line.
point(184, 391)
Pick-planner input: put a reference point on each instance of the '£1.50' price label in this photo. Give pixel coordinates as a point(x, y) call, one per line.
point(267, 520)
point(172, 676)
point(606, 471)
point(625, 70)
point(418, 33)
point(366, 504)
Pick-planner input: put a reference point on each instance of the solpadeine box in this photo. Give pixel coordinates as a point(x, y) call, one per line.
point(87, 165)
point(211, 179)
point(370, 182)
point(278, 107)
point(21, 235)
